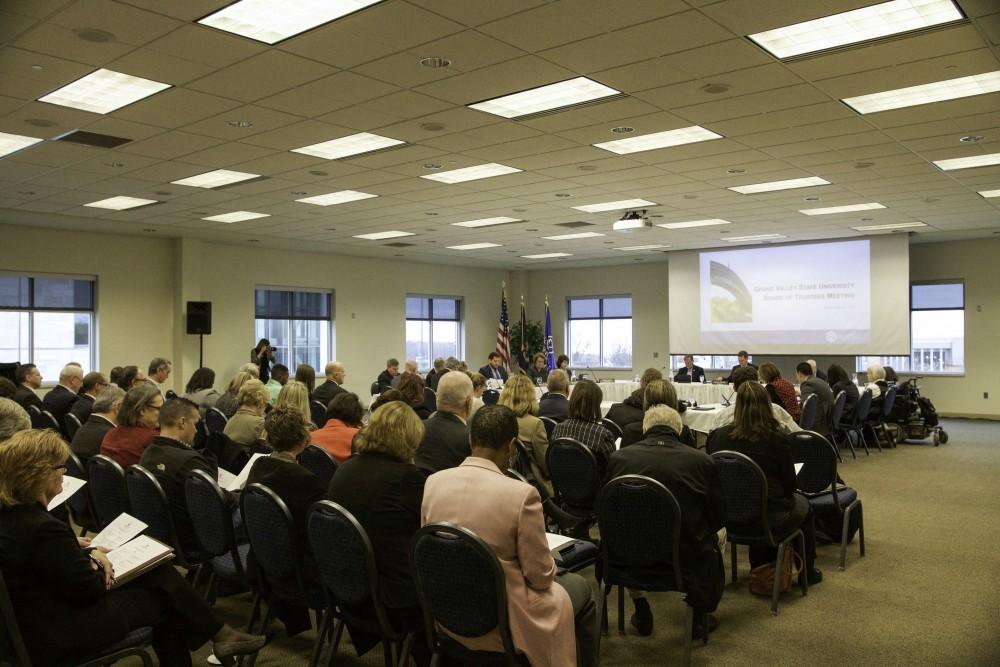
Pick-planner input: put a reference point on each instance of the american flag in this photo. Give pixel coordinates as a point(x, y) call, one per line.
point(503, 331)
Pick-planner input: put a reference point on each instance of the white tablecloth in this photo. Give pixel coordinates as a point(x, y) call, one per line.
point(616, 392)
point(701, 420)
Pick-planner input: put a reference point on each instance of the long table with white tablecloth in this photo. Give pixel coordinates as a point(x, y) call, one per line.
point(616, 392)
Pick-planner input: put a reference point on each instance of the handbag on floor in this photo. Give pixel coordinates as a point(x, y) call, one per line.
point(762, 576)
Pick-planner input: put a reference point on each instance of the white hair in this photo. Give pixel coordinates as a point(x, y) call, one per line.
point(662, 415)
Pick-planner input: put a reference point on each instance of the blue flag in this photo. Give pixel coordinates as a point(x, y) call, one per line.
point(550, 351)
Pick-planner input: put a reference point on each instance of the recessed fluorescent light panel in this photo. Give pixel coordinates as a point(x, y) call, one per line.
point(694, 223)
point(968, 162)
point(895, 225)
point(841, 209)
point(853, 27)
point(379, 236)
point(569, 237)
point(355, 144)
point(648, 142)
point(547, 255)
point(271, 21)
point(331, 198)
point(216, 179)
point(755, 237)
point(615, 205)
point(546, 98)
point(471, 173)
point(952, 89)
point(121, 203)
point(237, 216)
point(473, 246)
point(773, 186)
point(12, 143)
point(486, 222)
point(642, 247)
point(104, 91)
point(989, 193)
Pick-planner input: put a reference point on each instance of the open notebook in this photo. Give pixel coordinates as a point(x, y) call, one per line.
point(231, 482)
point(130, 553)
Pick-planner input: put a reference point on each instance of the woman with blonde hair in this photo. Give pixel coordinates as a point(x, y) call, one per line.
point(296, 395)
point(246, 427)
point(382, 488)
point(228, 403)
point(67, 601)
point(519, 395)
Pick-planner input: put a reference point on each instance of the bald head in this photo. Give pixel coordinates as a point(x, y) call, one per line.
point(335, 371)
point(454, 394)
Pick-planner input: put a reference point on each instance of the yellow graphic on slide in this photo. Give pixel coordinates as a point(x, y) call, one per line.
point(738, 306)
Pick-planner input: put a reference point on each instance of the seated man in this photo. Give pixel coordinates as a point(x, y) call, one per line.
point(385, 377)
point(725, 416)
point(278, 379)
point(93, 384)
point(555, 403)
point(690, 475)
point(170, 459)
point(816, 371)
point(159, 371)
point(29, 380)
point(335, 375)
point(810, 385)
point(409, 368)
point(446, 433)
point(507, 515)
point(689, 372)
point(65, 394)
point(103, 417)
point(494, 369)
point(744, 362)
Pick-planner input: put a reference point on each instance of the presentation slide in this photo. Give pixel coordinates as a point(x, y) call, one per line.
point(786, 294)
point(847, 297)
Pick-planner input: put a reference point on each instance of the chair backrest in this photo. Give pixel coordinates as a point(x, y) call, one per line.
point(77, 503)
point(839, 403)
point(317, 413)
point(430, 399)
point(744, 488)
point(12, 648)
point(318, 461)
point(513, 474)
point(215, 420)
point(809, 408)
point(490, 397)
point(227, 453)
point(108, 495)
point(574, 472)
point(459, 582)
point(863, 406)
point(615, 429)
point(72, 424)
point(549, 424)
point(640, 523)
point(890, 399)
point(271, 532)
point(149, 505)
point(48, 420)
point(211, 519)
point(819, 459)
point(35, 413)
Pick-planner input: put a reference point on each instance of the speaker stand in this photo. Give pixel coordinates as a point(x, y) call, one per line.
point(201, 350)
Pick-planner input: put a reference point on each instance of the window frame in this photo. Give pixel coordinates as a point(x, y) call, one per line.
point(31, 309)
point(330, 352)
point(459, 319)
point(600, 328)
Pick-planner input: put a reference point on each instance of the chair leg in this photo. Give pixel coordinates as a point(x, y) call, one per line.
point(254, 611)
point(861, 528)
point(804, 579)
point(602, 612)
point(732, 554)
point(251, 659)
point(850, 442)
point(861, 439)
point(404, 654)
point(621, 610)
point(337, 634)
point(776, 590)
point(387, 653)
point(688, 629)
point(324, 620)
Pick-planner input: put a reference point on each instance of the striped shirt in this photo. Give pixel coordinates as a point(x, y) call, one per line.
point(594, 435)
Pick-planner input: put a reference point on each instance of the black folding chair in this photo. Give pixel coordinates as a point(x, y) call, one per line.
point(883, 418)
point(818, 480)
point(79, 502)
point(317, 413)
point(461, 587)
point(228, 454)
point(576, 480)
point(744, 488)
point(430, 399)
point(215, 420)
point(615, 429)
point(807, 420)
point(149, 505)
point(836, 416)
point(318, 461)
point(271, 532)
point(374, 389)
point(350, 581)
point(72, 425)
point(48, 420)
point(13, 651)
point(856, 427)
point(106, 485)
point(35, 413)
point(640, 523)
point(549, 424)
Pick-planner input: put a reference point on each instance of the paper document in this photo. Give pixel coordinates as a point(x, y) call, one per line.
point(239, 481)
point(618, 443)
point(226, 478)
point(70, 486)
point(557, 541)
point(798, 467)
point(132, 559)
point(118, 532)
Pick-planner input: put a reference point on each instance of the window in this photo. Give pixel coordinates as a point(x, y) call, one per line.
point(715, 362)
point(47, 321)
point(297, 322)
point(937, 331)
point(600, 332)
point(433, 329)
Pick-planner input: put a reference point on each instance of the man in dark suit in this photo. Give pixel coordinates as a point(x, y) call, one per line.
point(810, 385)
point(555, 403)
point(689, 372)
point(691, 476)
point(170, 458)
point(494, 370)
point(62, 397)
point(385, 377)
point(446, 432)
point(93, 384)
point(104, 417)
point(335, 375)
point(29, 380)
point(744, 358)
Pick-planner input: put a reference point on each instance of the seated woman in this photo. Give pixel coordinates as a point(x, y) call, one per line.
point(387, 396)
point(200, 390)
point(780, 390)
point(411, 386)
point(306, 374)
point(478, 389)
point(878, 387)
point(519, 395)
point(584, 423)
point(562, 363)
point(630, 410)
point(246, 427)
point(295, 394)
point(343, 421)
point(228, 403)
point(755, 432)
point(658, 392)
point(138, 419)
point(64, 595)
point(840, 381)
point(382, 488)
point(539, 370)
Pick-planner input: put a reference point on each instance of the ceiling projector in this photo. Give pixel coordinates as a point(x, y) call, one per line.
point(632, 221)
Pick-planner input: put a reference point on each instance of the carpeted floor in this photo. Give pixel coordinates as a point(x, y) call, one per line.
point(926, 593)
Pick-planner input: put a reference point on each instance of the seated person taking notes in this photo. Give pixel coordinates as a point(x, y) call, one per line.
point(689, 372)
